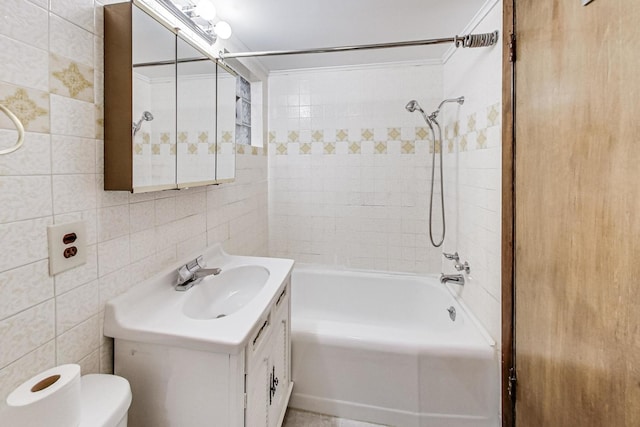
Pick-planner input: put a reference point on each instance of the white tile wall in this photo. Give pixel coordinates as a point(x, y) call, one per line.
point(57, 176)
point(473, 172)
point(353, 205)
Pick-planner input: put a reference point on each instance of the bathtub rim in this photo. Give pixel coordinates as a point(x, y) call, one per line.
point(320, 268)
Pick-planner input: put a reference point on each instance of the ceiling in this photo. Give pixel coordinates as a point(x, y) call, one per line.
point(299, 24)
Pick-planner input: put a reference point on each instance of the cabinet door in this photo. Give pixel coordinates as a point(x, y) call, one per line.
point(154, 104)
point(257, 394)
point(280, 359)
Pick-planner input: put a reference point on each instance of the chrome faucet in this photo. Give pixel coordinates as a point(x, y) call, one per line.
point(458, 279)
point(192, 273)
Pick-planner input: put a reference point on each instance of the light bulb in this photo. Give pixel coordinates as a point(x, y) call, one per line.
point(223, 30)
point(206, 10)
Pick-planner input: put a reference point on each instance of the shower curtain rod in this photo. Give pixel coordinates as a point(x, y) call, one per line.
point(470, 40)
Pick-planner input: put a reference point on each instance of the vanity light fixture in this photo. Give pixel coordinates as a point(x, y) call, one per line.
point(199, 16)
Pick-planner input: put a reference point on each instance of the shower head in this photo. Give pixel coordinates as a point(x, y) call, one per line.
point(413, 106)
point(146, 117)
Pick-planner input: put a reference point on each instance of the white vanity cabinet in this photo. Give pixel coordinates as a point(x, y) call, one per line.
point(179, 387)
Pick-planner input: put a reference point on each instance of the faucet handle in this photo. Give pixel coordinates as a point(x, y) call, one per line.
point(186, 272)
point(453, 257)
point(466, 267)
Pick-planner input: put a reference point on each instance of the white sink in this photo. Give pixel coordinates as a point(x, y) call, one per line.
point(223, 295)
point(215, 315)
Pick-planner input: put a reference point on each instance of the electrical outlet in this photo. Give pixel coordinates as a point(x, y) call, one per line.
point(67, 246)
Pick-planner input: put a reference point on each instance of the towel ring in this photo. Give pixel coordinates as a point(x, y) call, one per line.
point(19, 128)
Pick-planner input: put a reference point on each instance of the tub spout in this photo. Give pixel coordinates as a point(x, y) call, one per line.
point(458, 279)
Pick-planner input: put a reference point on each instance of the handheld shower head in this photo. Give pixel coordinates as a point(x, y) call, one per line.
point(146, 117)
point(413, 106)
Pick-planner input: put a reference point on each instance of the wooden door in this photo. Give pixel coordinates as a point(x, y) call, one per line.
point(577, 213)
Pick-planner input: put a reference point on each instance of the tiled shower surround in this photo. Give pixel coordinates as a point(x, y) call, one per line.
point(52, 77)
point(348, 167)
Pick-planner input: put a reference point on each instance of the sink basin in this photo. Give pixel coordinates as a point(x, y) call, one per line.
point(218, 315)
point(222, 295)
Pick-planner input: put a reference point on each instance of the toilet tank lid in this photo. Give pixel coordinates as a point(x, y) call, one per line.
point(105, 400)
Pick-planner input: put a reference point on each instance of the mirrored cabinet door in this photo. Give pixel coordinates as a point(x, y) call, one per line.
point(226, 158)
point(154, 104)
point(196, 117)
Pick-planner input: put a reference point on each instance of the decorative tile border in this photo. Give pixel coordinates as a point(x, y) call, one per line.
point(470, 132)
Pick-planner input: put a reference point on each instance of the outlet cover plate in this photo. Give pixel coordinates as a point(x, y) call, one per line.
point(57, 246)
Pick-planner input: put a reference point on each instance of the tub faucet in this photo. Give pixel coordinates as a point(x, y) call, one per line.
point(458, 279)
point(192, 273)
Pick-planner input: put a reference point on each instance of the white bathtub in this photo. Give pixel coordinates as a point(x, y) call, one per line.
point(382, 348)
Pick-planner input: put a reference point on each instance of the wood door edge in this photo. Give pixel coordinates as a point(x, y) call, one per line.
point(508, 219)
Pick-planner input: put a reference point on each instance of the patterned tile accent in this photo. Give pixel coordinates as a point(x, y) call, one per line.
point(493, 115)
point(329, 148)
point(146, 137)
point(393, 134)
point(30, 105)
point(173, 150)
point(281, 148)
point(272, 137)
point(99, 117)
point(212, 148)
point(342, 135)
point(478, 138)
point(463, 143)
point(422, 134)
point(137, 149)
point(293, 136)
point(355, 148)
point(408, 147)
point(227, 136)
point(380, 148)
point(155, 149)
point(68, 78)
point(240, 149)
point(183, 137)
point(305, 148)
point(203, 137)
point(254, 151)
point(192, 148)
point(481, 139)
point(165, 137)
point(471, 123)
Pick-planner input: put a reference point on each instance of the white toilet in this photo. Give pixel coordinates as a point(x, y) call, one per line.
point(105, 401)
